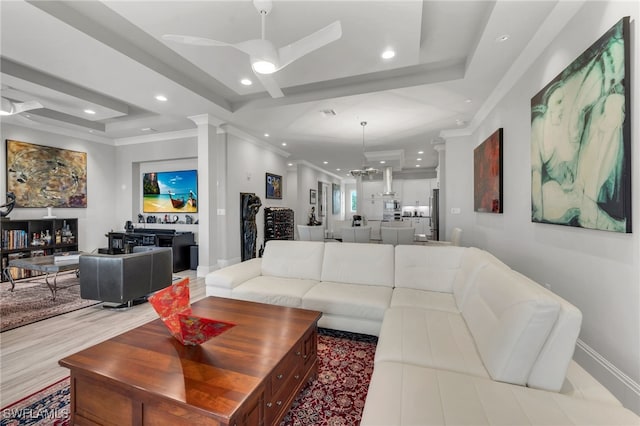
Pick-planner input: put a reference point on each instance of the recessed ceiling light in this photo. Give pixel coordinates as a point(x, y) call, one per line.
point(161, 98)
point(89, 111)
point(266, 135)
point(382, 161)
point(146, 129)
point(503, 37)
point(468, 101)
point(417, 165)
point(289, 164)
point(284, 144)
point(325, 162)
point(418, 159)
point(388, 54)
point(246, 82)
point(337, 170)
point(420, 152)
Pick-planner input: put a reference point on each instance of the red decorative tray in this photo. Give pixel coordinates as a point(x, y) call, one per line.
point(174, 308)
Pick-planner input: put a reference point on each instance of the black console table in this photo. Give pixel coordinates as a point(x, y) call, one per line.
point(180, 242)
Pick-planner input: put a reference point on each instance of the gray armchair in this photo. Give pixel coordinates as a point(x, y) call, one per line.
point(123, 278)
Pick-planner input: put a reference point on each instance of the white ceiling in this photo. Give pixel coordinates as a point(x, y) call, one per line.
point(109, 57)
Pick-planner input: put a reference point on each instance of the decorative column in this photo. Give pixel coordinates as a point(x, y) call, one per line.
point(212, 156)
point(359, 197)
point(440, 148)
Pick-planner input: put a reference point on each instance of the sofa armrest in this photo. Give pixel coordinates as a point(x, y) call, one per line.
point(234, 275)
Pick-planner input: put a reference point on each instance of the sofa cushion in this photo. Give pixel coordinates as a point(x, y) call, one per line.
point(580, 384)
point(234, 275)
point(509, 321)
point(350, 300)
point(428, 338)
point(412, 298)
point(274, 290)
point(404, 394)
point(550, 367)
point(427, 268)
point(473, 260)
point(293, 259)
point(358, 263)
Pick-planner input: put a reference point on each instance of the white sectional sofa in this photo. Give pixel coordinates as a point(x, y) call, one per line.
point(463, 339)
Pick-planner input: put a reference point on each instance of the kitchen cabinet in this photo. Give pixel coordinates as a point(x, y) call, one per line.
point(416, 192)
point(421, 225)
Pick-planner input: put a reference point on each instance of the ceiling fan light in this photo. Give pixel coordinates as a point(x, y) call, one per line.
point(263, 67)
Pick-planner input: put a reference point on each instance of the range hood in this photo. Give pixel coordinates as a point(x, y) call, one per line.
point(387, 181)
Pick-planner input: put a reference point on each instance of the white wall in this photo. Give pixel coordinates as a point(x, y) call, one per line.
point(134, 159)
point(93, 221)
point(308, 178)
point(246, 172)
point(597, 271)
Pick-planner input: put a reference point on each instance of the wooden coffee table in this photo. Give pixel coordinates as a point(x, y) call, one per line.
point(248, 375)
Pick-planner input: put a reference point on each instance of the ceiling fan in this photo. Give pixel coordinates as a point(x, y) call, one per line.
point(265, 58)
point(9, 107)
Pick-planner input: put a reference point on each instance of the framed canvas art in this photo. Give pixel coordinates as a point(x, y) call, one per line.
point(313, 196)
point(487, 174)
point(170, 192)
point(581, 140)
point(44, 176)
point(273, 186)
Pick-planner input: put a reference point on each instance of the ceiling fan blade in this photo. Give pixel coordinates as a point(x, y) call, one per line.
point(308, 44)
point(194, 41)
point(26, 106)
point(270, 84)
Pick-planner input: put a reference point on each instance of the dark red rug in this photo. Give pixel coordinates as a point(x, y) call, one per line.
point(335, 398)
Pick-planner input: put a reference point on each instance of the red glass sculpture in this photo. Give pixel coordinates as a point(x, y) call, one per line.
point(174, 308)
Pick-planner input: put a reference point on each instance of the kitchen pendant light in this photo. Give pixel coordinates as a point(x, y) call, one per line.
point(365, 170)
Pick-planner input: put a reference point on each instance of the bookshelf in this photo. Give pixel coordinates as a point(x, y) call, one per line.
point(35, 237)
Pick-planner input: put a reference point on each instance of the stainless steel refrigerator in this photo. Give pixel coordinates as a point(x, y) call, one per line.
point(435, 215)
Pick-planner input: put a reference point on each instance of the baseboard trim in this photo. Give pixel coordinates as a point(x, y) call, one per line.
point(621, 385)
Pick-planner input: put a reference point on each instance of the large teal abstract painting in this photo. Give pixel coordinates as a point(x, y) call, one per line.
point(581, 140)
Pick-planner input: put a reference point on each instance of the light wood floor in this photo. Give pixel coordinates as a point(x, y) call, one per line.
point(29, 355)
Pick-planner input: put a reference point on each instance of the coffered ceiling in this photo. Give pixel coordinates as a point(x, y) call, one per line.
point(109, 57)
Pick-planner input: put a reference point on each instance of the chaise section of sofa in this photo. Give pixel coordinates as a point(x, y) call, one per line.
point(403, 394)
point(463, 338)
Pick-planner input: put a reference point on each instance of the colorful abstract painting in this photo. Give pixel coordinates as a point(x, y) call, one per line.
point(487, 175)
point(44, 176)
point(581, 140)
point(273, 186)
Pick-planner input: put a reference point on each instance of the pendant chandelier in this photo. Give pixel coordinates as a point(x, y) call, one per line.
point(365, 170)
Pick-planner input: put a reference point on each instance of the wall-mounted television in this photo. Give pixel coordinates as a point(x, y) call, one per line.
point(170, 192)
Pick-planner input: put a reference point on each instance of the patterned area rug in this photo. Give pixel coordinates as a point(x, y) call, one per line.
point(336, 398)
point(31, 301)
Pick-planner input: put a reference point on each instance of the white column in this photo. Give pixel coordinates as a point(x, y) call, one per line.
point(442, 210)
point(211, 177)
point(360, 197)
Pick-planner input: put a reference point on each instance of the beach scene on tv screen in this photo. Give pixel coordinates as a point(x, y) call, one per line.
point(170, 192)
